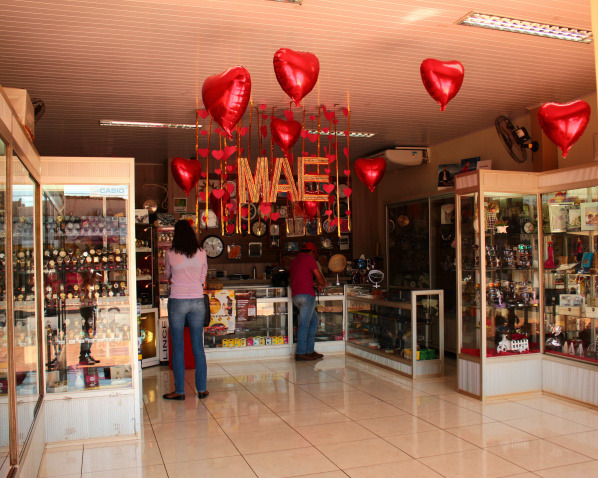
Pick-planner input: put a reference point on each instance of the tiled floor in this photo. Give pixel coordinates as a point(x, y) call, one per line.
point(334, 418)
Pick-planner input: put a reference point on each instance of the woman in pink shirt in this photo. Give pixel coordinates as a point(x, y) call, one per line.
point(186, 266)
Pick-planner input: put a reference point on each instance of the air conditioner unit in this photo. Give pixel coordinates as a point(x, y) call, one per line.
point(403, 157)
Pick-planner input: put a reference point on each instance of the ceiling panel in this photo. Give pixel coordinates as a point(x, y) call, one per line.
point(146, 61)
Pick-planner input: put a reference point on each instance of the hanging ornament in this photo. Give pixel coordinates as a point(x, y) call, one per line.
point(226, 96)
point(186, 173)
point(564, 123)
point(285, 133)
point(370, 171)
point(296, 71)
point(442, 79)
point(310, 208)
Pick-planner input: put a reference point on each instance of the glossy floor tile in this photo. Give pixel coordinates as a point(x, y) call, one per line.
point(334, 418)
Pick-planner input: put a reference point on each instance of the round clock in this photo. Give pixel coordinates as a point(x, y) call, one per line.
point(326, 243)
point(328, 227)
point(213, 246)
point(212, 221)
point(259, 228)
point(528, 227)
point(252, 211)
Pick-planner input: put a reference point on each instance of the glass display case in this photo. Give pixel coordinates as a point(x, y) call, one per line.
point(147, 265)
point(4, 410)
point(570, 240)
point(398, 328)
point(248, 317)
point(330, 306)
point(25, 311)
point(499, 282)
point(408, 243)
point(87, 305)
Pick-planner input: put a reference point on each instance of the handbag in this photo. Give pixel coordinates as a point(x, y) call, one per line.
point(207, 316)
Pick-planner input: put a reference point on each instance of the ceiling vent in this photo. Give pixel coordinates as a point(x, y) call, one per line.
point(403, 157)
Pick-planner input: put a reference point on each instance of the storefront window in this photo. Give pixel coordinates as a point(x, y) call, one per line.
point(86, 292)
point(3, 325)
point(25, 311)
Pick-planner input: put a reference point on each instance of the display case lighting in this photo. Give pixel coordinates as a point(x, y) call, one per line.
point(495, 22)
point(352, 134)
point(296, 2)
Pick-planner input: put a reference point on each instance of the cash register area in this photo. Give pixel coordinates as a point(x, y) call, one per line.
point(333, 418)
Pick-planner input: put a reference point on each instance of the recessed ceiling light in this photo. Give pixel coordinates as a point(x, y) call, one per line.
point(141, 124)
point(495, 22)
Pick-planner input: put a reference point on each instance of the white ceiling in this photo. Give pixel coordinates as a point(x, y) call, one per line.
point(146, 61)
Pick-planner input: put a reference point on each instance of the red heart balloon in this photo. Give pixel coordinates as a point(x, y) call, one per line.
point(310, 208)
point(226, 96)
point(442, 79)
point(564, 123)
point(370, 171)
point(285, 133)
point(296, 71)
point(186, 173)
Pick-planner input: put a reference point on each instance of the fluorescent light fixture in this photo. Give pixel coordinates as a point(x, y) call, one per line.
point(352, 134)
point(296, 2)
point(141, 124)
point(495, 22)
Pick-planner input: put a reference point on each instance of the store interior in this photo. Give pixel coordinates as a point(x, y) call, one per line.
point(446, 174)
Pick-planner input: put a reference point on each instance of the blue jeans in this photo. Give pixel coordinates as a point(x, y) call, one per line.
point(193, 311)
point(308, 323)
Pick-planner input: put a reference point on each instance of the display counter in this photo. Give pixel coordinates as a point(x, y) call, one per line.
point(399, 329)
point(248, 321)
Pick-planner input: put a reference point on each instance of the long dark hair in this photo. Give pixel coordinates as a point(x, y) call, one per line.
point(184, 241)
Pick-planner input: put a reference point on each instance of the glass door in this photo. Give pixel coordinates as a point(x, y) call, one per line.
point(4, 414)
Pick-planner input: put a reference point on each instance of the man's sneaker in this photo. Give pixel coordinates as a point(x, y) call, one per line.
point(315, 355)
point(300, 357)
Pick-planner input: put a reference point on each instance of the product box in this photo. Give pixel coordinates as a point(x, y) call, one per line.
point(592, 312)
point(575, 311)
point(249, 342)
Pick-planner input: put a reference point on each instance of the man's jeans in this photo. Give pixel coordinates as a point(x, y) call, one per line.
point(308, 323)
point(193, 310)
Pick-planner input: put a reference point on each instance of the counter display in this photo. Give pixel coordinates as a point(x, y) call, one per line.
point(400, 329)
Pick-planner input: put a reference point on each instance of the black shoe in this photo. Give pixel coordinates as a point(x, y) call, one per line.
point(301, 357)
point(86, 361)
point(92, 359)
point(315, 355)
point(173, 396)
point(202, 394)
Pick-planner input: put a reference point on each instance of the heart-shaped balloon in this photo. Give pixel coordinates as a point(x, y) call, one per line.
point(370, 171)
point(564, 123)
point(186, 173)
point(226, 96)
point(442, 79)
point(310, 208)
point(296, 71)
point(285, 133)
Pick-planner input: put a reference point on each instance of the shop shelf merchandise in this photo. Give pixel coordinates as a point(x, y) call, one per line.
point(398, 328)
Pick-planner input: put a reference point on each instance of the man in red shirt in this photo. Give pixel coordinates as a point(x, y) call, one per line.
point(303, 270)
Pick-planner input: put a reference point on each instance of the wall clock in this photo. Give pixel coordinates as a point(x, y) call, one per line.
point(259, 228)
point(213, 246)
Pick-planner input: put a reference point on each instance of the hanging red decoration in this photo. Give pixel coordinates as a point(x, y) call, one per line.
point(311, 208)
point(296, 71)
point(226, 97)
point(285, 133)
point(442, 79)
point(564, 123)
point(186, 173)
point(370, 171)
